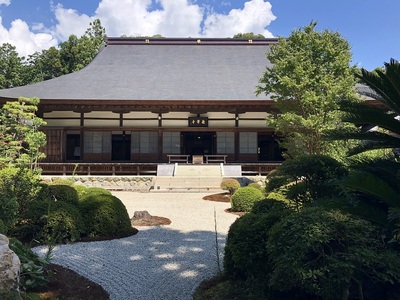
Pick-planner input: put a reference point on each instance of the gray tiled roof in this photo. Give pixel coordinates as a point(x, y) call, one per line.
point(164, 70)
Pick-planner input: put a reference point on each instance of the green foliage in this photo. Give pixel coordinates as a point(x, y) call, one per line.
point(248, 35)
point(384, 87)
point(319, 253)
point(33, 273)
point(310, 74)
point(63, 212)
point(63, 223)
point(375, 176)
point(83, 191)
point(21, 139)
point(275, 180)
point(10, 295)
point(244, 198)
point(230, 185)
point(105, 214)
point(63, 191)
point(277, 196)
point(11, 68)
point(8, 210)
point(3, 227)
point(255, 185)
point(267, 205)
point(312, 254)
point(246, 256)
point(307, 178)
point(76, 53)
point(19, 187)
point(44, 65)
point(73, 55)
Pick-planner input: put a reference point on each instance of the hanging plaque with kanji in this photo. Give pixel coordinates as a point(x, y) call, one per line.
point(198, 122)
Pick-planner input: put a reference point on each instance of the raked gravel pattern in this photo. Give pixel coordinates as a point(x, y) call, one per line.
point(160, 262)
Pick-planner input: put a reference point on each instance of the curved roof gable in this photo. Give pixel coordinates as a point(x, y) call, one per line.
point(161, 69)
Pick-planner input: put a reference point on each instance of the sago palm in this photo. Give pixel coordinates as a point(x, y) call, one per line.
point(377, 127)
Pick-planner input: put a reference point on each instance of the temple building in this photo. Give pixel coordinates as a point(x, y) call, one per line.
point(159, 100)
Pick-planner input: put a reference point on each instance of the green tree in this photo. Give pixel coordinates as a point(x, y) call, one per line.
point(20, 136)
point(248, 35)
point(44, 65)
point(310, 74)
point(11, 67)
point(76, 52)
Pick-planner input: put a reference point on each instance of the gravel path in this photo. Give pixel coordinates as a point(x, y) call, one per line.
point(160, 262)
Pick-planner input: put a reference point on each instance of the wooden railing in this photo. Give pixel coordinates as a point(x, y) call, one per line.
point(216, 158)
point(259, 169)
point(173, 158)
point(138, 169)
point(98, 169)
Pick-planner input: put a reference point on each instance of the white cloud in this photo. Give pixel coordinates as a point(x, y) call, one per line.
point(254, 17)
point(25, 41)
point(5, 2)
point(69, 22)
point(177, 18)
point(173, 18)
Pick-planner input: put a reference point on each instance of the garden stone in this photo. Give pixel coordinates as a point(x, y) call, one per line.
point(141, 215)
point(9, 267)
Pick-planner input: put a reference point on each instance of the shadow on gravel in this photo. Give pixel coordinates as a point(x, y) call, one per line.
point(157, 263)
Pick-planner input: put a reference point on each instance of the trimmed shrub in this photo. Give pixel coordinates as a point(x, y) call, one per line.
point(318, 254)
point(267, 205)
point(275, 180)
point(307, 178)
point(63, 223)
point(63, 191)
point(277, 196)
point(105, 214)
point(230, 185)
point(244, 198)
point(255, 185)
point(245, 251)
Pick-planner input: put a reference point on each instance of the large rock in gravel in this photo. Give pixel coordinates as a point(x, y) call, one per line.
point(141, 215)
point(9, 268)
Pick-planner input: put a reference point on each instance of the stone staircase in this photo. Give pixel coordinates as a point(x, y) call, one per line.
point(190, 178)
point(198, 171)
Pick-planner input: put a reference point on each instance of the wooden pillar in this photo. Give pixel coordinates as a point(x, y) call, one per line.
point(236, 137)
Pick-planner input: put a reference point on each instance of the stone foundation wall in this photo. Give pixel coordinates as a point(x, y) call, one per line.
point(130, 183)
point(124, 183)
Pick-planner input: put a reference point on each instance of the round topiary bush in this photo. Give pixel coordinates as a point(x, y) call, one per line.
point(63, 191)
point(267, 205)
point(321, 254)
point(246, 255)
point(83, 191)
point(255, 185)
point(63, 223)
point(230, 185)
point(244, 198)
point(105, 214)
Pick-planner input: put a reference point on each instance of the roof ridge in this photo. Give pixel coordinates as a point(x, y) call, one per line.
point(189, 41)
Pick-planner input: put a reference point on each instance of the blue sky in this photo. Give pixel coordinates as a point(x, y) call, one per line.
point(371, 27)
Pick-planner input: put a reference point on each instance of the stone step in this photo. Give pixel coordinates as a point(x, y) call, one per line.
point(193, 184)
point(198, 171)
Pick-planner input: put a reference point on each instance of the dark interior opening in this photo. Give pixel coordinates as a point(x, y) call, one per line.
point(73, 151)
point(121, 147)
point(198, 143)
point(268, 148)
